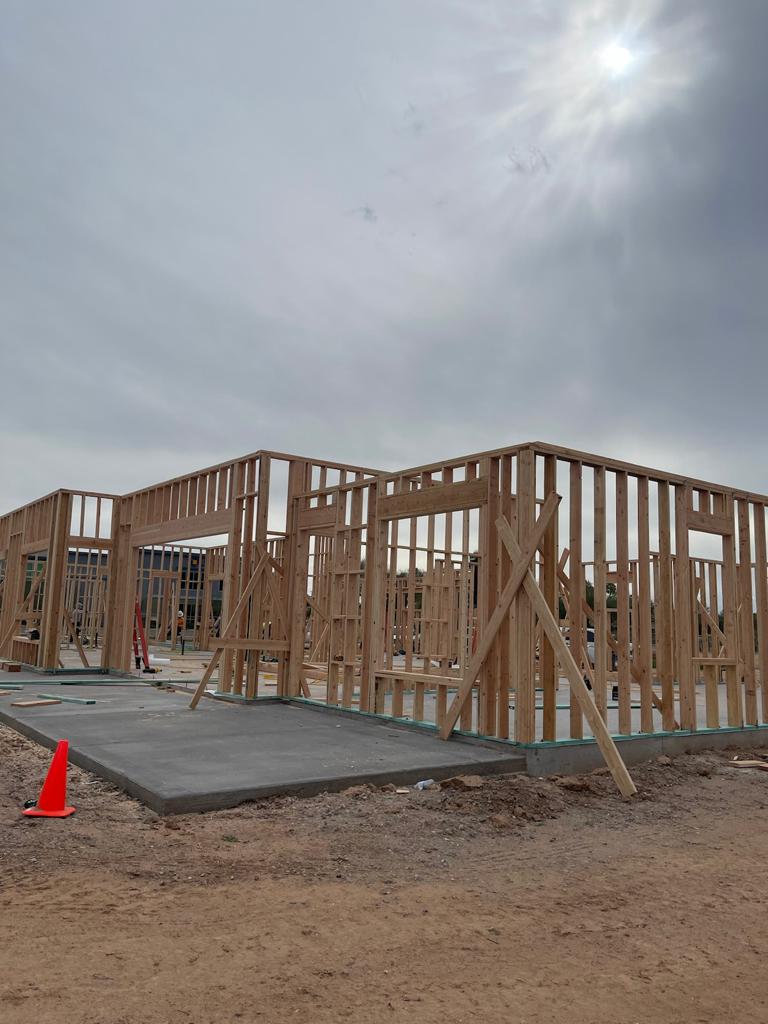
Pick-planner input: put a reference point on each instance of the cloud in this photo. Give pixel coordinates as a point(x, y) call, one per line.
point(181, 281)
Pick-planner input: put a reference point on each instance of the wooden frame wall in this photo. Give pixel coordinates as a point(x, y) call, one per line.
point(47, 531)
point(234, 501)
point(339, 568)
point(666, 640)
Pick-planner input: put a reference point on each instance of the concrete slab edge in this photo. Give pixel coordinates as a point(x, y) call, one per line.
point(186, 803)
point(77, 757)
point(165, 803)
point(572, 759)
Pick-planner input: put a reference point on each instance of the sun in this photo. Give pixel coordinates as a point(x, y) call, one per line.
point(616, 58)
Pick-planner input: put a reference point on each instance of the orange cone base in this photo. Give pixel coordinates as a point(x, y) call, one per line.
point(33, 812)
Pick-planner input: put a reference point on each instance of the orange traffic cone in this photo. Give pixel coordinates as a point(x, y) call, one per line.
point(53, 796)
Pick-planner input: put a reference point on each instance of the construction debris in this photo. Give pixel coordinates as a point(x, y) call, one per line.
point(34, 703)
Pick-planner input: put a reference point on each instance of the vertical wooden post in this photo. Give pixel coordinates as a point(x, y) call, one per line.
point(410, 644)
point(295, 579)
point(247, 564)
point(53, 605)
point(336, 603)
point(469, 610)
point(489, 547)
point(664, 612)
point(297, 474)
point(232, 572)
point(642, 607)
point(744, 582)
point(261, 530)
point(112, 654)
point(525, 687)
point(761, 594)
point(446, 588)
point(622, 604)
point(369, 584)
point(724, 506)
point(508, 632)
point(297, 618)
point(352, 631)
point(600, 620)
point(576, 590)
point(13, 592)
point(428, 593)
point(712, 673)
point(547, 660)
point(683, 609)
point(378, 599)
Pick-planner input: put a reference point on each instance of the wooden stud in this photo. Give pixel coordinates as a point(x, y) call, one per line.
point(642, 607)
point(525, 703)
point(744, 583)
point(761, 596)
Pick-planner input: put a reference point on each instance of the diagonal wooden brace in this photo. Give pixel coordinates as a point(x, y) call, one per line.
point(76, 639)
point(225, 633)
point(24, 607)
point(563, 653)
point(495, 621)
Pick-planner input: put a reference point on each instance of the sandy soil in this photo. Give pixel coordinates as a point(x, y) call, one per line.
point(516, 900)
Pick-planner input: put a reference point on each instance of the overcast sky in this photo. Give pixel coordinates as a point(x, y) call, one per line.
point(387, 232)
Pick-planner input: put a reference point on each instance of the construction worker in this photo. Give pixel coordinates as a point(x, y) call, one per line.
point(180, 629)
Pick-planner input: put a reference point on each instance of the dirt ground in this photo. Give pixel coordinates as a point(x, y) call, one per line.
point(517, 900)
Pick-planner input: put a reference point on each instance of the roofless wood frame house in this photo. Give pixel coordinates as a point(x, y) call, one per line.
point(454, 594)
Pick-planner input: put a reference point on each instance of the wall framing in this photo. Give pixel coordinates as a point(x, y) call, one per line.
point(427, 594)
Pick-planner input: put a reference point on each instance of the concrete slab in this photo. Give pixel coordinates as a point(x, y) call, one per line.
point(148, 742)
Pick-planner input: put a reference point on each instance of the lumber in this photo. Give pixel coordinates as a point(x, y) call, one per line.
point(525, 717)
point(433, 500)
point(578, 688)
point(67, 700)
point(34, 703)
point(509, 592)
point(600, 612)
point(575, 617)
point(761, 589)
point(704, 522)
point(762, 765)
point(549, 565)
point(642, 608)
point(23, 608)
point(76, 638)
point(623, 639)
point(747, 638)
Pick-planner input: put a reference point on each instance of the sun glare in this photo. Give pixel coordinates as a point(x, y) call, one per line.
point(615, 58)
